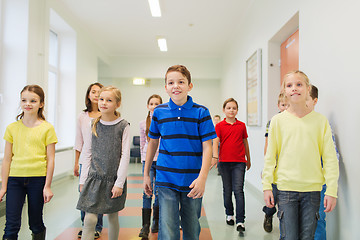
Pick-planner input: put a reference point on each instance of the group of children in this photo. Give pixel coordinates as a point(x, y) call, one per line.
point(179, 146)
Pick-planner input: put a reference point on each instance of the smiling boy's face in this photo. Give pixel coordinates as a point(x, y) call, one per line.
point(177, 86)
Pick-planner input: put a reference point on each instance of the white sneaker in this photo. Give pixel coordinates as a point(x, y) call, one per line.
point(240, 227)
point(230, 220)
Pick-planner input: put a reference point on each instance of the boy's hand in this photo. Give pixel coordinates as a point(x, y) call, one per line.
point(81, 187)
point(329, 203)
point(198, 188)
point(48, 194)
point(147, 186)
point(116, 192)
point(213, 163)
point(269, 199)
point(248, 165)
point(2, 194)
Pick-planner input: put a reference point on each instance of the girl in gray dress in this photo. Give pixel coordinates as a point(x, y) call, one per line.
point(103, 181)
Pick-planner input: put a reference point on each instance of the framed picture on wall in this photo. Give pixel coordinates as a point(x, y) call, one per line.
point(253, 89)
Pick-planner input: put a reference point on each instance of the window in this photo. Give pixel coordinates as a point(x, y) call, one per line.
point(53, 78)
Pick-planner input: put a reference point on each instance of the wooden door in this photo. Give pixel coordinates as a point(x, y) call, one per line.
point(289, 55)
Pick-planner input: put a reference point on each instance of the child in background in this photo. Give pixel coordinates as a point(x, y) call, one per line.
point(186, 131)
point(216, 120)
point(269, 212)
point(320, 233)
point(83, 141)
point(298, 139)
point(103, 181)
point(28, 164)
point(234, 158)
point(152, 102)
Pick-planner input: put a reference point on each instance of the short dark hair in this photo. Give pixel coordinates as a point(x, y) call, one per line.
point(181, 69)
point(314, 92)
point(230, 100)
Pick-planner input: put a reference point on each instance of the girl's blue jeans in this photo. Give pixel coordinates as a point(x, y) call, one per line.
point(17, 189)
point(233, 174)
point(298, 214)
point(173, 206)
point(320, 233)
point(147, 199)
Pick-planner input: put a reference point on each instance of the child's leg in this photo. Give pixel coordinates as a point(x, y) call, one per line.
point(288, 214)
point(320, 233)
point(190, 212)
point(35, 186)
point(226, 177)
point(113, 226)
point(15, 197)
point(169, 214)
point(308, 214)
point(99, 224)
point(146, 210)
point(89, 226)
point(238, 176)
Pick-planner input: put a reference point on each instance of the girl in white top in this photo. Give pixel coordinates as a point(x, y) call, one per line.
point(83, 141)
point(152, 102)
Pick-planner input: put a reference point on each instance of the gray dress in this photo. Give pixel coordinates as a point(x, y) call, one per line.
point(106, 149)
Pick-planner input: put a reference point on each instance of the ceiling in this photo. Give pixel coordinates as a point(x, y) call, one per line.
point(191, 27)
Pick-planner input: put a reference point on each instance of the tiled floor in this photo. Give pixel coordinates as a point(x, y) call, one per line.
point(63, 220)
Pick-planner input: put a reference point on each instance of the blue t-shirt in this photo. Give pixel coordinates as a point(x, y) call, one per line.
point(182, 130)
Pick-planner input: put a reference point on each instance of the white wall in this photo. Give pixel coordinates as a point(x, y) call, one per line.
point(205, 73)
point(329, 51)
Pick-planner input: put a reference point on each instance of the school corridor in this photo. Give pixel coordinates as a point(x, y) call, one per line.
point(63, 220)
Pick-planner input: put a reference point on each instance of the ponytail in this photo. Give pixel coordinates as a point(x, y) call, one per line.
point(148, 122)
point(94, 123)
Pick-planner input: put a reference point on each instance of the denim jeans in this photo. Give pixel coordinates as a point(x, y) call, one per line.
point(320, 233)
point(233, 174)
point(173, 206)
point(147, 199)
point(271, 211)
point(99, 224)
point(298, 214)
point(17, 189)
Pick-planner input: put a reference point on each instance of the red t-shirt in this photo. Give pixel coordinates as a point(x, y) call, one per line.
point(232, 148)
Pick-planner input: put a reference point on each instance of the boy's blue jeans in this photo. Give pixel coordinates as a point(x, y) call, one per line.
point(99, 224)
point(173, 206)
point(17, 189)
point(146, 199)
point(233, 174)
point(320, 233)
point(298, 214)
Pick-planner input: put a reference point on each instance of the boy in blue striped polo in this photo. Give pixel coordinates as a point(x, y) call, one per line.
point(186, 132)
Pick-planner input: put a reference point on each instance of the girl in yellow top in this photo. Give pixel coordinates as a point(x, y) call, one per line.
point(28, 164)
point(298, 139)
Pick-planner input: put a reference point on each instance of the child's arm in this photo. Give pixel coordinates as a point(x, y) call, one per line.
point(266, 144)
point(269, 198)
point(215, 155)
point(150, 153)
point(198, 185)
point(5, 169)
point(118, 187)
point(79, 142)
point(247, 154)
point(76, 165)
point(50, 157)
point(142, 140)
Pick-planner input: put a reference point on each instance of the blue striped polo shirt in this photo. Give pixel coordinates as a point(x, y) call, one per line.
point(182, 130)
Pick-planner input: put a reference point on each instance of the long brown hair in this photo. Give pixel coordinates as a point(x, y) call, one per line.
point(38, 91)
point(117, 95)
point(87, 99)
point(148, 118)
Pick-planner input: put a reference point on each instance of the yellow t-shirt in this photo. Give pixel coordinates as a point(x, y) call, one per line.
point(29, 148)
point(296, 147)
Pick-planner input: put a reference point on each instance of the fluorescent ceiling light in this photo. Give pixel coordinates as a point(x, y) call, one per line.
point(139, 81)
point(162, 44)
point(155, 8)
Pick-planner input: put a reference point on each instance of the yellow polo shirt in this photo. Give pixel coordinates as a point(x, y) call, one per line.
point(29, 148)
point(296, 147)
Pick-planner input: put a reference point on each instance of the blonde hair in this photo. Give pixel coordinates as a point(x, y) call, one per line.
point(117, 94)
point(282, 97)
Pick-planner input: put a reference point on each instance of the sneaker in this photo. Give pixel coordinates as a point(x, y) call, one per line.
point(268, 223)
point(230, 220)
point(80, 234)
point(240, 227)
point(97, 235)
